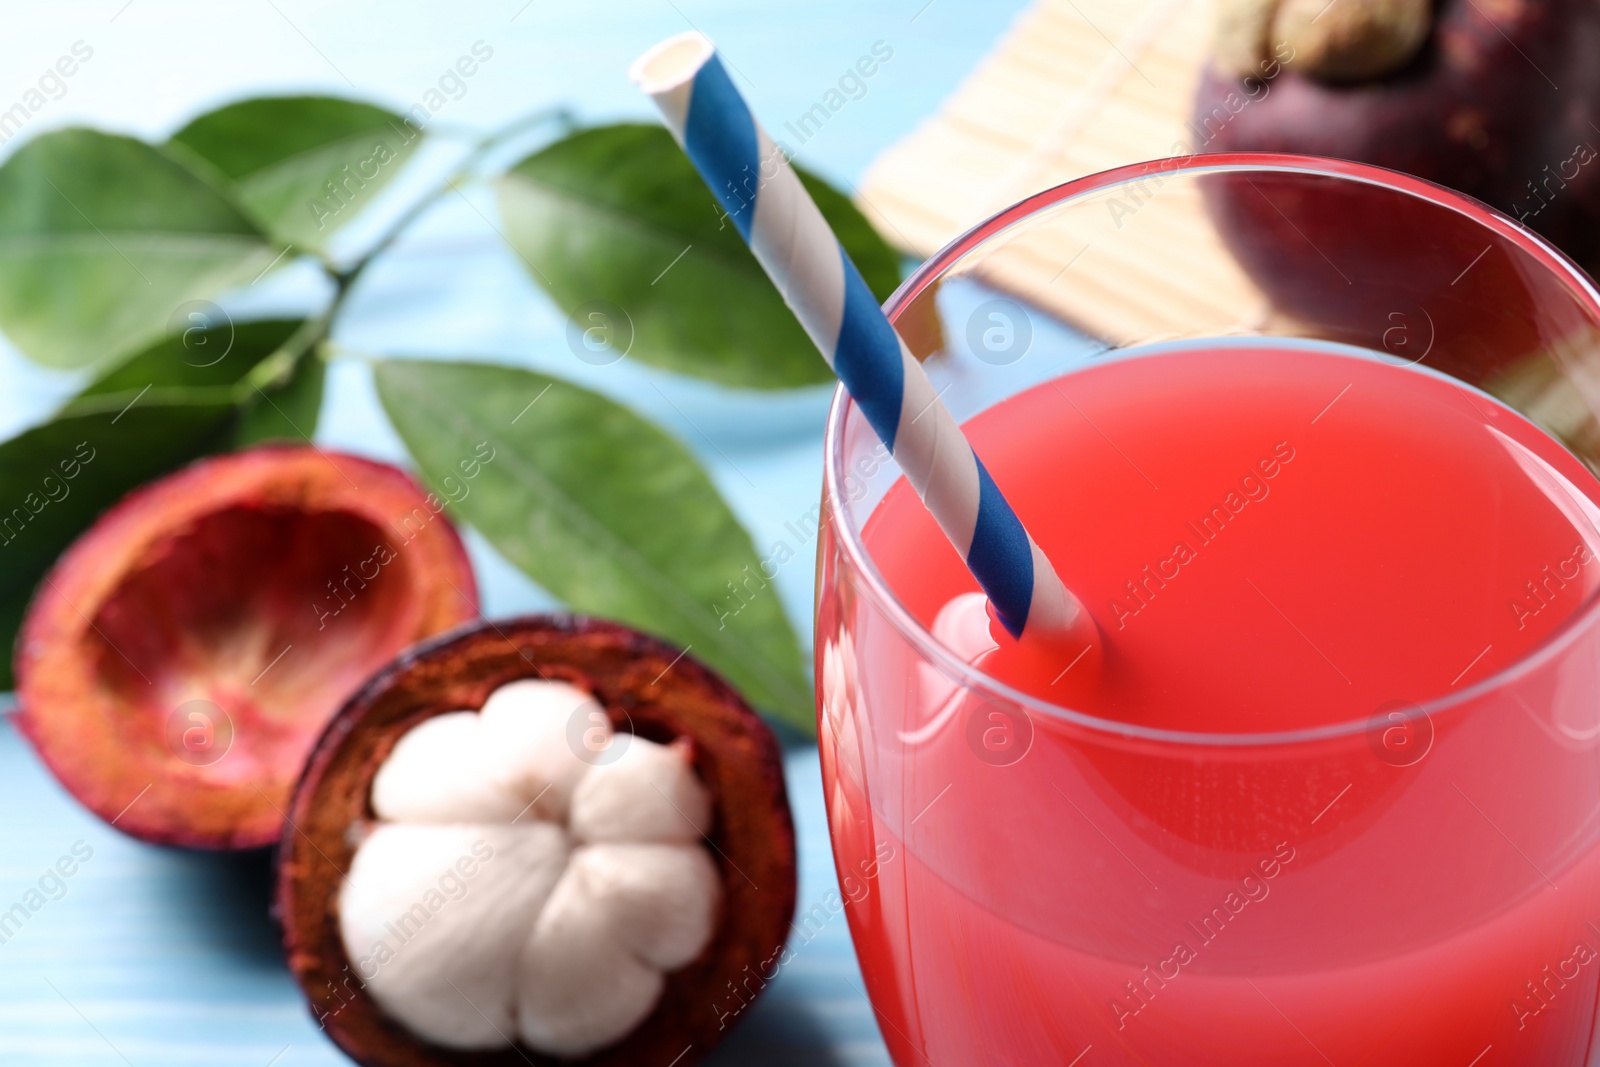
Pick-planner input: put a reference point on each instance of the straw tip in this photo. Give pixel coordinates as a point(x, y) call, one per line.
point(671, 63)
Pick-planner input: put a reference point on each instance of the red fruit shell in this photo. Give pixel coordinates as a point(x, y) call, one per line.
point(213, 590)
point(646, 686)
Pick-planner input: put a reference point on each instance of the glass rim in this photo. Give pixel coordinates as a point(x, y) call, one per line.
point(877, 591)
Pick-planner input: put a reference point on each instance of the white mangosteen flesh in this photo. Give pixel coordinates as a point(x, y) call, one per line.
point(533, 877)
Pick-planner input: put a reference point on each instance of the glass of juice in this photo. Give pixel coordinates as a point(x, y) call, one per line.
point(1314, 442)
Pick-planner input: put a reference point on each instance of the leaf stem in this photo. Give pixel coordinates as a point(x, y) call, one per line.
point(316, 333)
point(467, 168)
point(279, 366)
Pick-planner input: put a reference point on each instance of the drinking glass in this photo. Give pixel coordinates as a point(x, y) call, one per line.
point(1028, 883)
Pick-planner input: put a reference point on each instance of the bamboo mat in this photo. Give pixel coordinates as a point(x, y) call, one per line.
point(1076, 87)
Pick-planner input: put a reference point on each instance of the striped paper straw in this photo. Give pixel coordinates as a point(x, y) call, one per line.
point(764, 199)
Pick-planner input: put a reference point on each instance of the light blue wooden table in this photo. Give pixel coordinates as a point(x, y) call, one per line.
point(153, 958)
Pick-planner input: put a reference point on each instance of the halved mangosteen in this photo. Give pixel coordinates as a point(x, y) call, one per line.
point(180, 659)
point(543, 840)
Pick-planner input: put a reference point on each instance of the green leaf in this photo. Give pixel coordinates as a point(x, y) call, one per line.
point(56, 478)
point(13, 606)
point(604, 510)
point(302, 165)
point(104, 238)
point(287, 410)
point(617, 217)
point(198, 357)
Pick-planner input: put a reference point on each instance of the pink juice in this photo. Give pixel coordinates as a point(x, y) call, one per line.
point(1274, 541)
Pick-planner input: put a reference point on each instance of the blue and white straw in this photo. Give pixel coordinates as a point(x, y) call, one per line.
point(762, 196)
